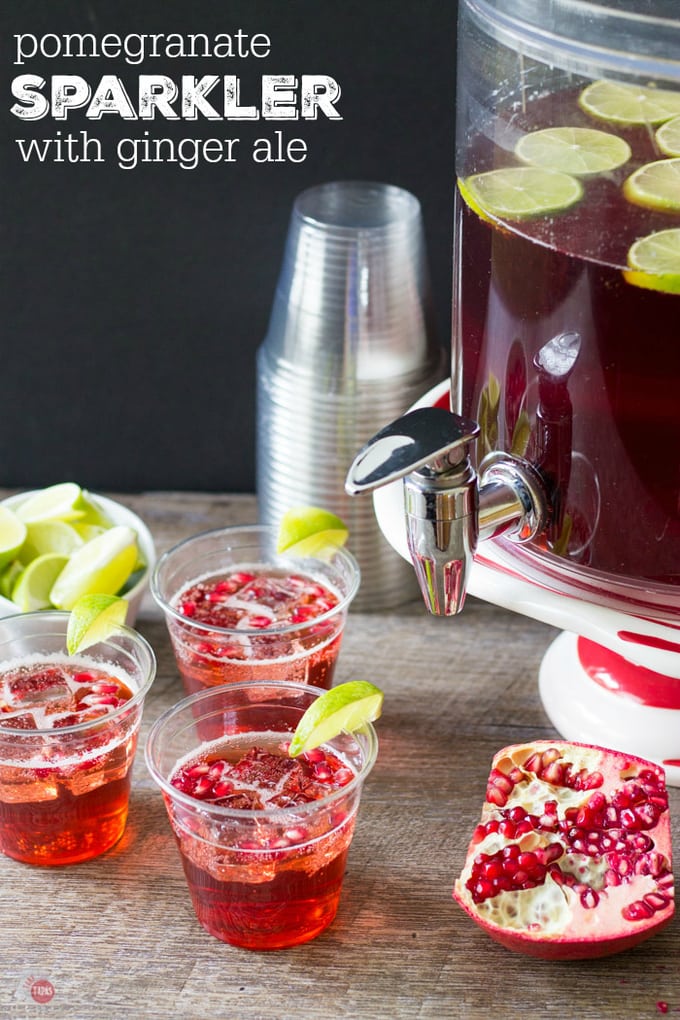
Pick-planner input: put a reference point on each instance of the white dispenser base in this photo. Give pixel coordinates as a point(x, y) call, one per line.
point(581, 709)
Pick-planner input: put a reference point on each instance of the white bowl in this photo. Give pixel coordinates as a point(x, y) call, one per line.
point(118, 514)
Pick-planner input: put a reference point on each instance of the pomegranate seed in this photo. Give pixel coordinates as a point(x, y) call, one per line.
point(104, 687)
point(316, 754)
point(296, 834)
point(589, 899)
point(202, 769)
point(202, 787)
point(223, 788)
point(188, 608)
point(637, 911)
point(86, 678)
point(303, 613)
point(655, 900)
point(260, 622)
point(242, 577)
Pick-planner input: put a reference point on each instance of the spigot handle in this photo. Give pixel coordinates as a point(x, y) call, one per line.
point(429, 437)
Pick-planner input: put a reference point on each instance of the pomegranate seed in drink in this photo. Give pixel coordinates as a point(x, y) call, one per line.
point(63, 798)
point(256, 624)
point(263, 882)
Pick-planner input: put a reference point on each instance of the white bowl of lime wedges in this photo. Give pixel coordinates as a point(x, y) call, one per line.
point(62, 542)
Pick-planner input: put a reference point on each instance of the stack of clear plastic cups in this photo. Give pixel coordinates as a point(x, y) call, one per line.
point(350, 347)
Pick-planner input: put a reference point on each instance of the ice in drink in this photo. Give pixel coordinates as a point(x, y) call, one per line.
point(68, 733)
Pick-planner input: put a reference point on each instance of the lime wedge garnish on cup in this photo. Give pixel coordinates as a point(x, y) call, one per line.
point(311, 531)
point(94, 618)
point(345, 708)
point(622, 103)
point(654, 262)
point(573, 150)
point(34, 584)
point(521, 192)
point(12, 535)
point(101, 566)
point(655, 185)
point(57, 502)
point(668, 137)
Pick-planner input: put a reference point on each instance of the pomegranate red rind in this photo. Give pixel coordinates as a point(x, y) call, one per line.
point(572, 855)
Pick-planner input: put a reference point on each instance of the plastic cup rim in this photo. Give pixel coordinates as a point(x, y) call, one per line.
point(137, 698)
point(220, 810)
point(342, 605)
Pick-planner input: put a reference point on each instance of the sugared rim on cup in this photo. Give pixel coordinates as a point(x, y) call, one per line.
point(276, 560)
point(221, 810)
point(137, 696)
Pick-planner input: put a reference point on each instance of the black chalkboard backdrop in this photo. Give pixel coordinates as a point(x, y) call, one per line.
point(134, 298)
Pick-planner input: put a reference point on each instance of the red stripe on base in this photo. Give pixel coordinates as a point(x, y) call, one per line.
point(616, 674)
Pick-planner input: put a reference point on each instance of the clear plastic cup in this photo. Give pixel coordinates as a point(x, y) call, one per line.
point(269, 877)
point(64, 784)
point(302, 645)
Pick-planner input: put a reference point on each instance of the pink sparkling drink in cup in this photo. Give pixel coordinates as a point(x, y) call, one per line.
point(236, 610)
point(263, 837)
point(68, 734)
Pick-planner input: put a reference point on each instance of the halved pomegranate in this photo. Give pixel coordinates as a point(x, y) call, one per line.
point(572, 856)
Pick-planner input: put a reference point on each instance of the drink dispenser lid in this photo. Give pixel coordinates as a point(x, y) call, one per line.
point(595, 38)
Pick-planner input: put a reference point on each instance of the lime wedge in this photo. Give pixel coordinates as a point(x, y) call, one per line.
point(655, 262)
point(57, 502)
point(92, 513)
point(520, 192)
point(34, 584)
point(573, 150)
point(49, 536)
point(655, 185)
point(345, 708)
point(12, 535)
point(9, 577)
point(101, 566)
point(621, 103)
point(311, 531)
point(94, 618)
point(668, 137)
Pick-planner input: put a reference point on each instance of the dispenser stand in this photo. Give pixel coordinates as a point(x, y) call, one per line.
point(595, 696)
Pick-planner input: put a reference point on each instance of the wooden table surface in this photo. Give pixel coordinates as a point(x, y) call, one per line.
point(117, 937)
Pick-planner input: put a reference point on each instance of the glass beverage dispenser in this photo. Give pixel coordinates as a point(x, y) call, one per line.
point(554, 489)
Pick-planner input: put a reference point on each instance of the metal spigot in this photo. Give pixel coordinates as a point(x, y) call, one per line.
point(448, 510)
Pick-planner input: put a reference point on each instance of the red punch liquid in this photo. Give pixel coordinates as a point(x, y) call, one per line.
point(63, 797)
point(259, 608)
point(607, 438)
point(271, 881)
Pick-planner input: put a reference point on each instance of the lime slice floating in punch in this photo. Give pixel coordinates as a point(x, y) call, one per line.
point(654, 262)
point(625, 104)
point(573, 150)
point(668, 137)
point(655, 185)
point(521, 192)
